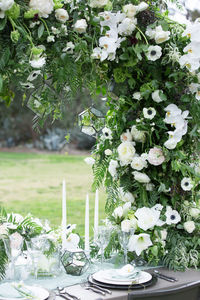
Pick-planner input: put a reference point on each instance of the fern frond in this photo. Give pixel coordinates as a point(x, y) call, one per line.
point(99, 171)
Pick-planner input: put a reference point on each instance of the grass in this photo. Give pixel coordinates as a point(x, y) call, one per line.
point(32, 183)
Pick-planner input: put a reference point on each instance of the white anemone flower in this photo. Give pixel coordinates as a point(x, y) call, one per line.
point(126, 152)
point(161, 35)
point(186, 184)
point(107, 133)
point(147, 217)
point(139, 243)
point(33, 75)
point(72, 241)
point(149, 113)
point(141, 177)
point(172, 216)
point(138, 163)
point(154, 53)
point(69, 48)
point(27, 85)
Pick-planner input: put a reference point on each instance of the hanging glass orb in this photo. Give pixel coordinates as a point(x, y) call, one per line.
point(91, 121)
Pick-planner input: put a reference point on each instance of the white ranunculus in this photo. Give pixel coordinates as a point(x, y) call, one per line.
point(125, 196)
point(156, 96)
point(149, 113)
point(189, 226)
point(161, 35)
point(154, 53)
point(155, 156)
point(130, 10)
point(126, 136)
point(98, 3)
point(141, 177)
point(138, 135)
point(44, 7)
point(147, 217)
point(186, 184)
point(138, 163)
point(127, 26)
point(61, 15)
point(38, 63)
point(112, 168)
point(126, 225)
point(118, 212)
point(89, 161)
point(194, 212)
point(108, 152)
point(139, 242)
point(6, 4)
point(137, 96)
point(172, 216)
point(126, 152)
point(72, 241)
point(80, 26)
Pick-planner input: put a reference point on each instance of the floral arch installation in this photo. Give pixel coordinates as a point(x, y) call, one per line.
point(147, 66)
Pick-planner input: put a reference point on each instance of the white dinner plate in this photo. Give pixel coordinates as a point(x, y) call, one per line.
point(113, 275)
point(142, 278)
point(39, 293)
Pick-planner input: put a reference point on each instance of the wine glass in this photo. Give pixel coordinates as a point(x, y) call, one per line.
point(13, 247)
point(123, 238)
point(102, 238)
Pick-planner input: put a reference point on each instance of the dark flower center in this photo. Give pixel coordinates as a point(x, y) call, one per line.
point(172, 217)
point(68, 227)
point(153, 52)
point(149, 111)
point(186, 183)
point(106, 134)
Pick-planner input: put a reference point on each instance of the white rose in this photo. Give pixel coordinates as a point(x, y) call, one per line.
point(61, 15)
point(141, 177)
point(126, 153)
point(137, 96)
point(194, 212)
point(138, 136)
point(127, 26)
point(112, 168)
point(44, 7)
point(161, 35)
point(89, 161)
point(118, 212)
point(189, 226)
point(126, 136)
point(6, 4)
point(80, 26)
point(130, 10)
point(108, 152)
point(126, 225)
point(138, 163)
point(155, 156)
point(98, 3)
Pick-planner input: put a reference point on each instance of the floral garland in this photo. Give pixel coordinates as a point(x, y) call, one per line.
point(148, 68)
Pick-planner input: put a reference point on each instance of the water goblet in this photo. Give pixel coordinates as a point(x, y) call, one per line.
point(102, 238)
point(123, 238)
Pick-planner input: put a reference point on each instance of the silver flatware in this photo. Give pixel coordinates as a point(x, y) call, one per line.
point(63, 291)
point(63, 296)
point(93, 289)
point(164, 277)
point(100, 288)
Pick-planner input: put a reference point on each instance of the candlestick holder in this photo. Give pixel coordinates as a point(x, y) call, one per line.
point(75, 262)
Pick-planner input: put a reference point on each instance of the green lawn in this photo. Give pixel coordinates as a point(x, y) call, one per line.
point(33, 183)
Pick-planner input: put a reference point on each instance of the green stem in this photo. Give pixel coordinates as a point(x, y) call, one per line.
point(12, 23)
point(45, 24)
point(142, 35)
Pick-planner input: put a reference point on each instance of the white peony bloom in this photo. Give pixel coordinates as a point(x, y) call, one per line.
point(118, 212)
point(38, 63)
point(138, 136)
point(138, 163)
point(108, 152)
point(69, 48)
point(125, 196)
point(89, 161)
point(137, 96)
point(98, 3)
point(155, 156)
point(161, 35)
point(126, 136)
point(107, 133)
point(141, 177)
point(6, 4)
point(72, 242)
point(149, 113)
point(127, 27)
point(61, 15)
point(156, 96)
point(147, 217)
point(126, 152)
point(80, 26)
point(130, 10)
point(172, 216)
point(154, 53)
point(112, 168)
point(126, 225)
point(44, 7)
point(189, 226)
point(186, 184)
point(139, 242)
point(194, 212)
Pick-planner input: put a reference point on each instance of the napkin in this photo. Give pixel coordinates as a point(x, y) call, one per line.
point(8, 291)
point(126, 272)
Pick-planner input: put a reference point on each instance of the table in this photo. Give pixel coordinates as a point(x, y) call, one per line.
point(184, 279)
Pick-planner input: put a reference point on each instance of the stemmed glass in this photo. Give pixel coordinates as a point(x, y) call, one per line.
point(102, 238)
point(13, 247)
point(123, 238)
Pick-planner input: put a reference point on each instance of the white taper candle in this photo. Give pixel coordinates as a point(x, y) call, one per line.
point(96, 214)
point(64, 215)
point(87, 234)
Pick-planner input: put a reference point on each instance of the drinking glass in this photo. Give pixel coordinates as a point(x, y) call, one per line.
point(123, 238)
point(102, 238)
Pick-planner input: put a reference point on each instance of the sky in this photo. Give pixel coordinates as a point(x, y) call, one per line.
point(179, 16)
